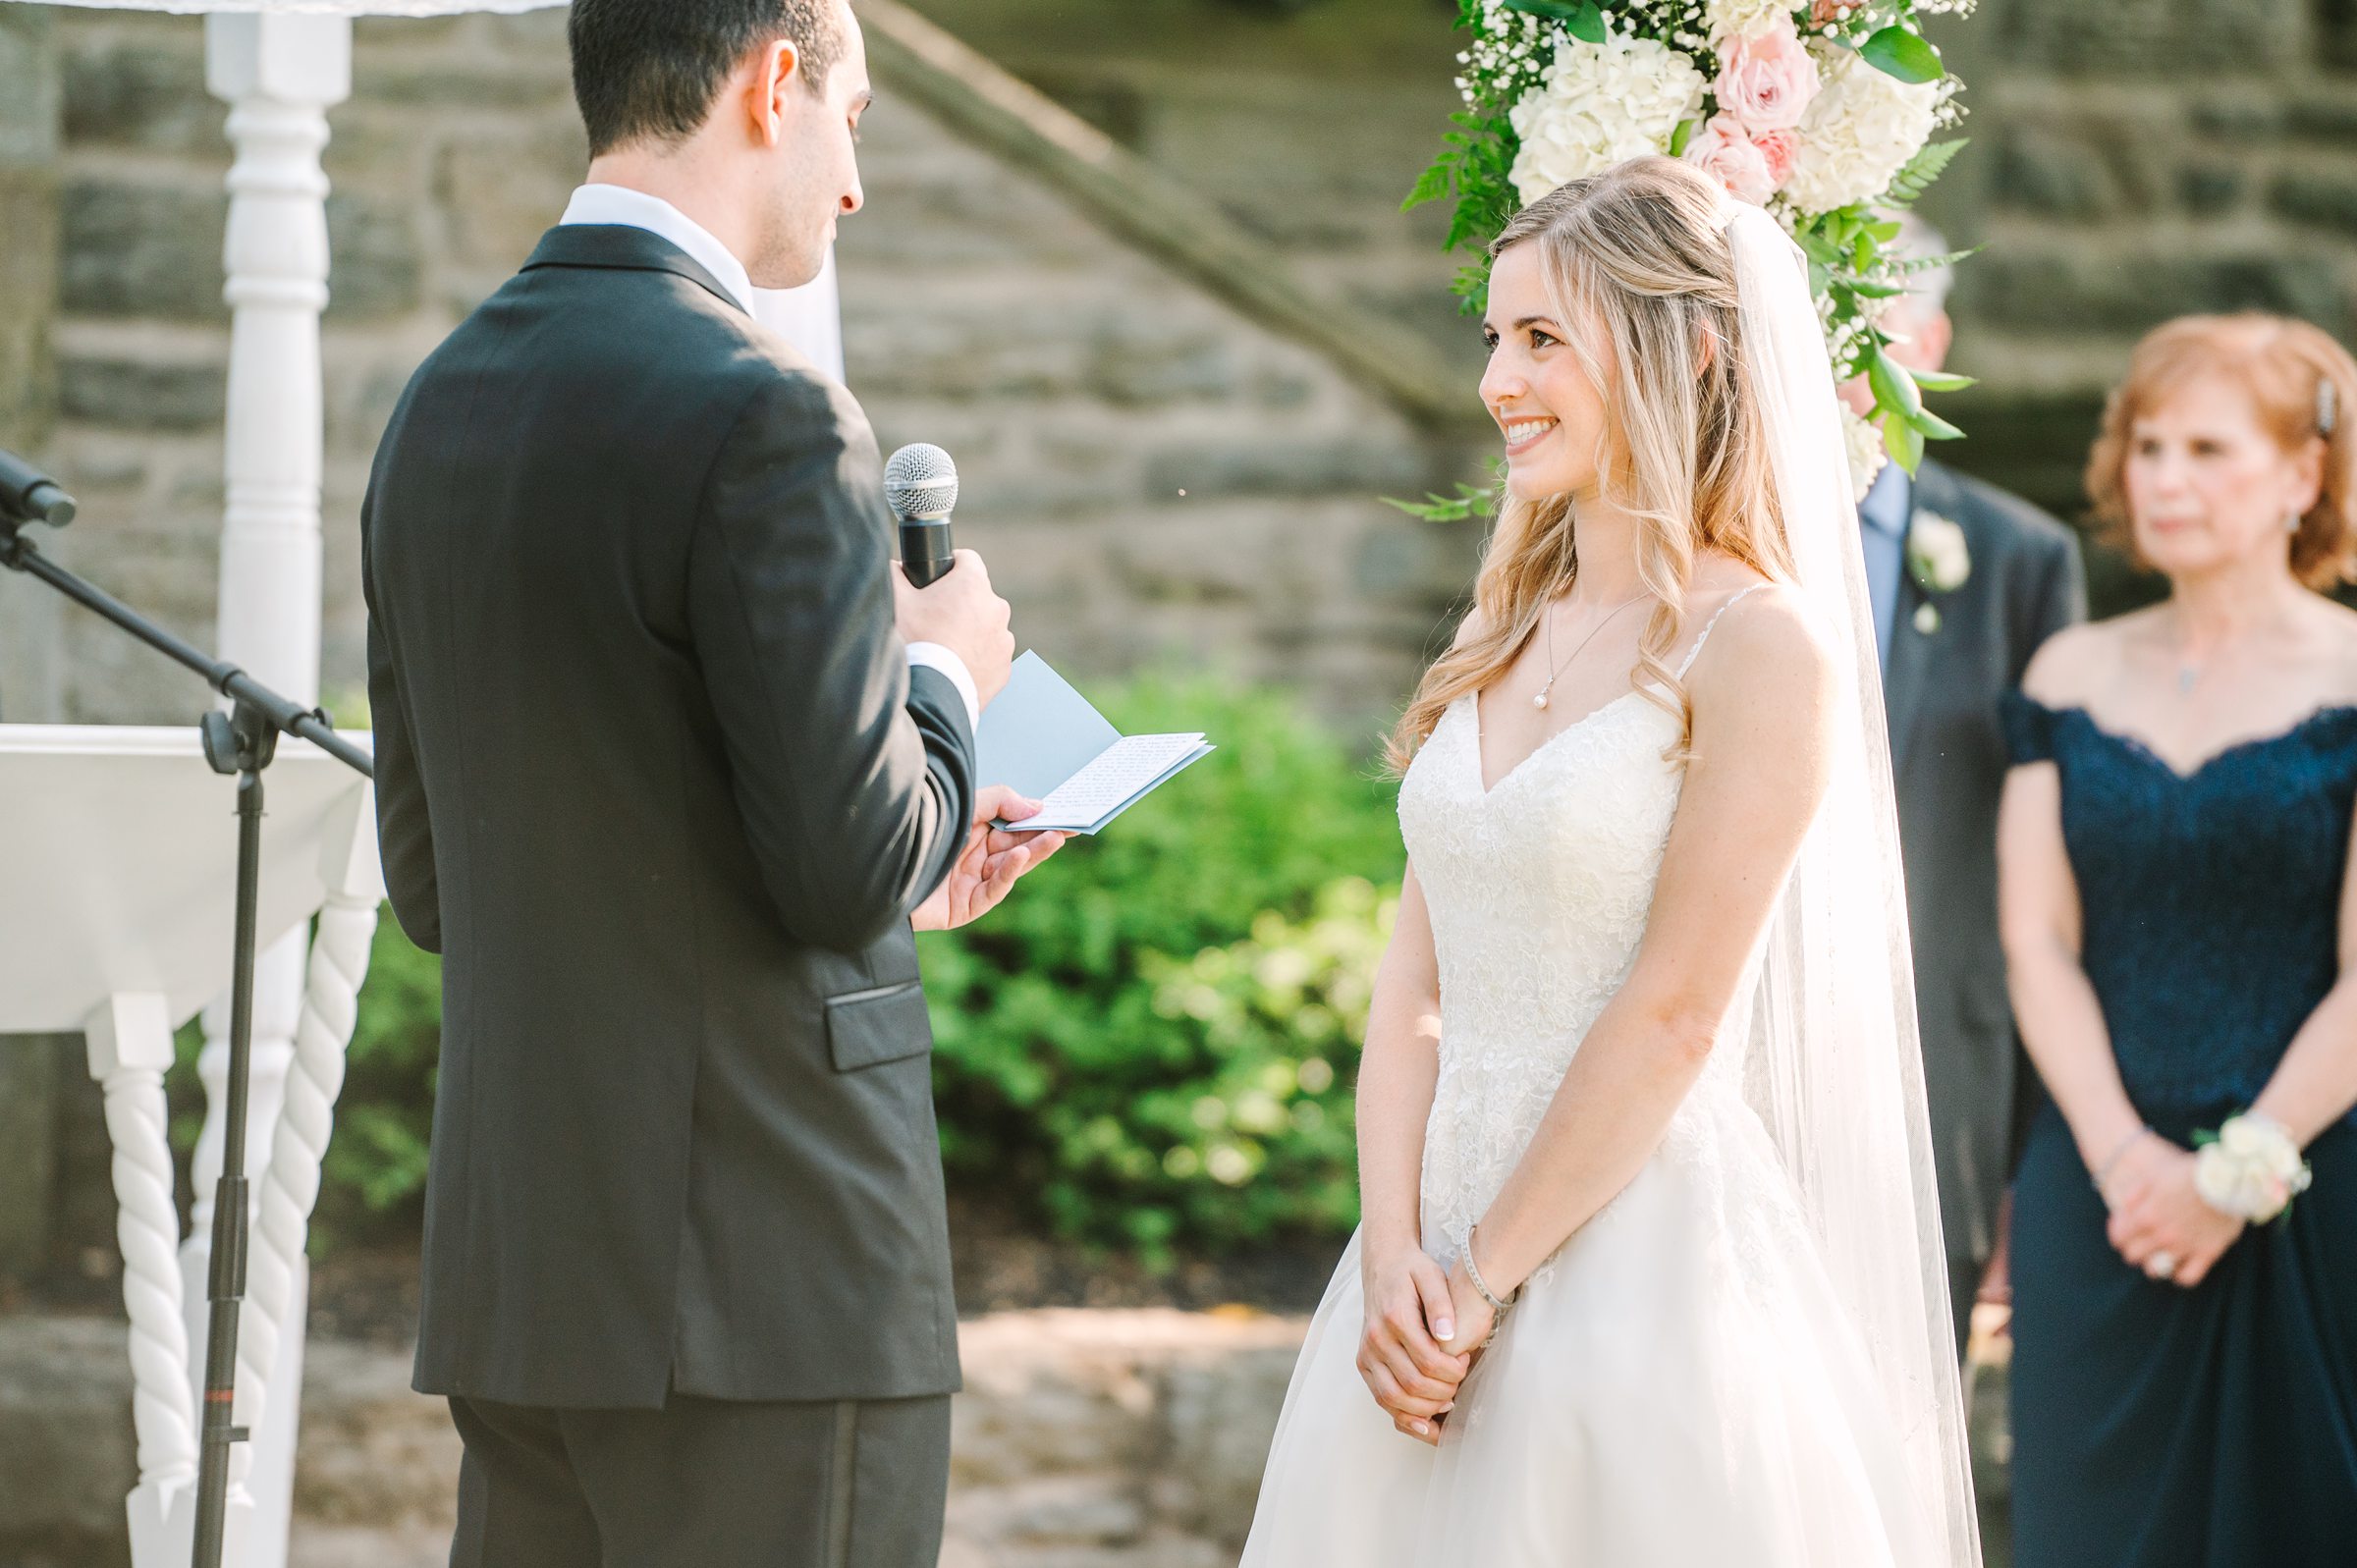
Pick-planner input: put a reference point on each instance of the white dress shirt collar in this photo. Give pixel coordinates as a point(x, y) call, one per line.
point(635, 209)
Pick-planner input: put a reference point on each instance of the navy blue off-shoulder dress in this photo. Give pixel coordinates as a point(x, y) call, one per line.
point(2157, 1426)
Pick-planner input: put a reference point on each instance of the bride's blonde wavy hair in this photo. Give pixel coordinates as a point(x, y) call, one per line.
point(1640, 252)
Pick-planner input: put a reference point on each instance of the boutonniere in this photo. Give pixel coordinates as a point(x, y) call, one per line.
point(1938, 560)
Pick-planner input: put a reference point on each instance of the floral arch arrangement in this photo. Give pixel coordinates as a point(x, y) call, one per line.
point(1825, 113)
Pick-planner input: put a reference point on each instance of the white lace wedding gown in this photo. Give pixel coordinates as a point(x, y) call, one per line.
point(1677, 1386)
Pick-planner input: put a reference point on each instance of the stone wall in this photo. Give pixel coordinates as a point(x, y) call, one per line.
point(1083, 386)
point(28, 255)
point(2131, 160)
point(28, 144)
point(2135, 160)
point(1154, 476)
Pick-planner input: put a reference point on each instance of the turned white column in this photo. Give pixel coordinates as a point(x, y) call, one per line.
point(278, 74)
point(130, 1041)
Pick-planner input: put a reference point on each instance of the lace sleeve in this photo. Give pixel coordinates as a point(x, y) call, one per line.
point(2029, 729)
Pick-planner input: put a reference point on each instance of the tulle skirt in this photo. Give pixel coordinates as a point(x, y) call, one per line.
point(1676, 1388)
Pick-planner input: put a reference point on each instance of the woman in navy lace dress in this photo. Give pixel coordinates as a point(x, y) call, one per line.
point(2180, 926)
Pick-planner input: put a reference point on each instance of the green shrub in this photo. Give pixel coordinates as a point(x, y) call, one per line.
point(1152, 1044)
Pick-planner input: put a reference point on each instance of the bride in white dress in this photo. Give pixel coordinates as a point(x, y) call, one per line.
point(1642, 1064)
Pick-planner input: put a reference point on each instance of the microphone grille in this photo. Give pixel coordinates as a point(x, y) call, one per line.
point(921, 481)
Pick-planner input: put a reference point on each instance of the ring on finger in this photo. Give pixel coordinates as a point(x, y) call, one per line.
point(2162, 1264)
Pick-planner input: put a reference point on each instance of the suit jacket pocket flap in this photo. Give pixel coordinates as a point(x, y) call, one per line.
point(867, 1027)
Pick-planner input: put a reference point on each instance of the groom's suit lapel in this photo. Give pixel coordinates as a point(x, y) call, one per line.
point(1911, 649)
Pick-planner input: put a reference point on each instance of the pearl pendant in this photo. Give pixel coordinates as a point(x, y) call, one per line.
point(1539, 702)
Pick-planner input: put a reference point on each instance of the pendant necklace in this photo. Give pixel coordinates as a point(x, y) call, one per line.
point(1540, 701)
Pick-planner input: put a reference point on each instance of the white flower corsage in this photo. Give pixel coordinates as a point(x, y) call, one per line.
point(2249, 1168)
point(1938, 560)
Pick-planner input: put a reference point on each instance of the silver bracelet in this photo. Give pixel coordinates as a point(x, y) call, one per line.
point(1480, 1285)
point(2104, 1175)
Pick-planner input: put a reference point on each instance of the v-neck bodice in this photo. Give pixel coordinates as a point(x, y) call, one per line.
point(2210, 901)
point(1538, 889)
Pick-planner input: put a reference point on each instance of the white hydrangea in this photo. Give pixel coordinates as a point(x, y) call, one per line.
point(1738, 19)
point(1861, 129)
point(1866, 452)
point(1601, 104)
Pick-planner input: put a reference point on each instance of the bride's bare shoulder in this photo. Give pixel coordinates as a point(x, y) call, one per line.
point(1472, 626)
point(1763, 641)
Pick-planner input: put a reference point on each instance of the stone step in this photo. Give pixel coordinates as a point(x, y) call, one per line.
point(1083, 1439)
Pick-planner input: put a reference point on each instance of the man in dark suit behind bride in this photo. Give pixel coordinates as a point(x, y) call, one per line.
point(670, 761)
point(1967, 581)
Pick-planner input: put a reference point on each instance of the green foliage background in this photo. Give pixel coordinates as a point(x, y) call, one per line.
point(1155, 1041)
point(1150, 1047)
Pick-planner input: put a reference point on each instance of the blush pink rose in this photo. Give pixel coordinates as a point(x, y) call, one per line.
point(1767, 79)
point(1780, 148)
point(1723, 152)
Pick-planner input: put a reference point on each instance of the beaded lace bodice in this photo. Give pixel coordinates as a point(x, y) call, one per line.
point(1538, 891)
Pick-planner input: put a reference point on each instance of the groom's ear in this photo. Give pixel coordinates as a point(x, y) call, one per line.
point(769, 87)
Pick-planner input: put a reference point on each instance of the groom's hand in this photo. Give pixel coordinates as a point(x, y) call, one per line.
point(959, 611)
point(989, 864)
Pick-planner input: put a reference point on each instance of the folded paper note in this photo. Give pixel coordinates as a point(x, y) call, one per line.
point(1043, 740)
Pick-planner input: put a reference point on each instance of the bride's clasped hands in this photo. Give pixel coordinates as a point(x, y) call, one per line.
point(1418, 1318)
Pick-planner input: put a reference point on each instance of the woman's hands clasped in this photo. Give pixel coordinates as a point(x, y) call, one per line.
point(2159, 1223)
point(1405, 1354)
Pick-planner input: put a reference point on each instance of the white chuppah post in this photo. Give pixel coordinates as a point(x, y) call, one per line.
point(129, 882)
point(278, 74)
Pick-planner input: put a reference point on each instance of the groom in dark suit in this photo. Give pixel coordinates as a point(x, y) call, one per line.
point(1966, 582)
point(669, 762)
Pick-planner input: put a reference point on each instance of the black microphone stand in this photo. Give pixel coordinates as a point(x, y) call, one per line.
point(240, 743)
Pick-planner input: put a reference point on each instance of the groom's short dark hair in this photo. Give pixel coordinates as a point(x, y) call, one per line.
point(651, 68)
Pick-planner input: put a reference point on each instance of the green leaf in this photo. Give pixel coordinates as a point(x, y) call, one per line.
point(1942, 381)
point(1915, 176)
point(1893, 389)
point(1470, 501)
point(1681, 137)
point(1582, 18)
point(1898, 51)
point(1934, 427)
point(1431, 186)
point(1903, 441)
point(1910, 265)
point(1817, 247)
point(1875, 290)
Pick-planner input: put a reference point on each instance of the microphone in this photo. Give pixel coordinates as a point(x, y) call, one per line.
point(920, 485)
point(27, 495)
